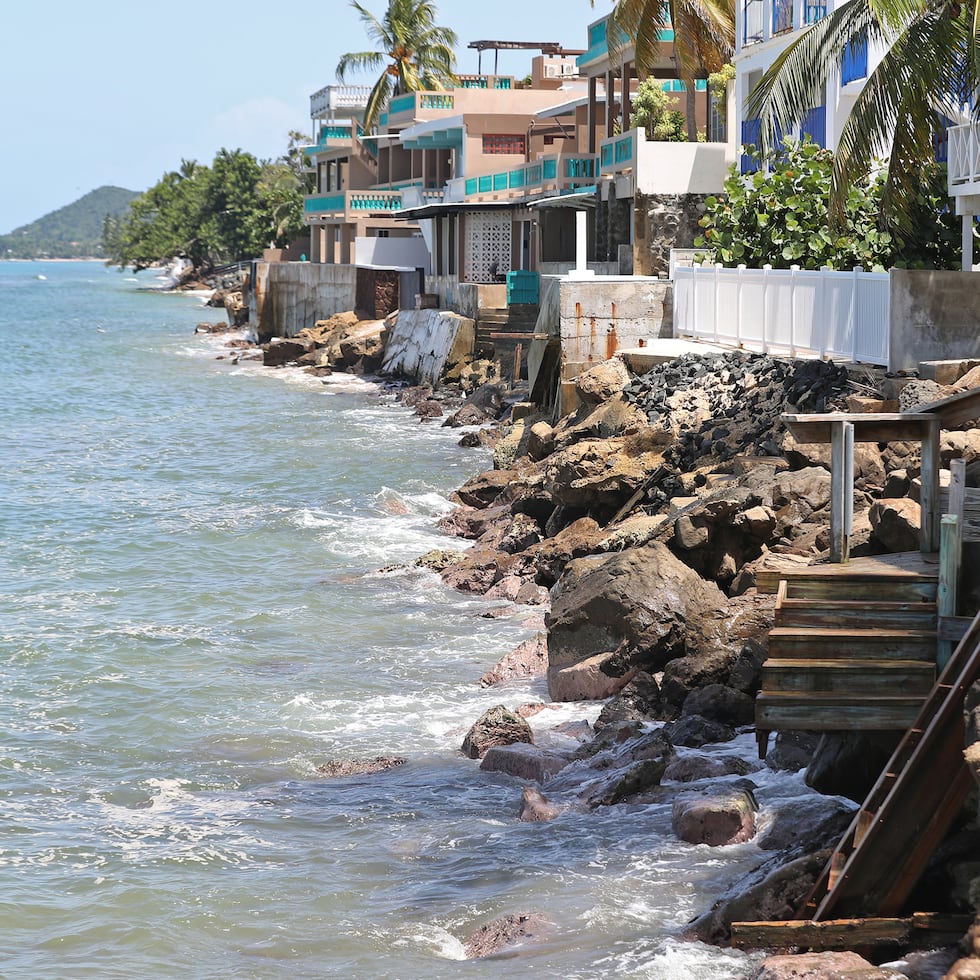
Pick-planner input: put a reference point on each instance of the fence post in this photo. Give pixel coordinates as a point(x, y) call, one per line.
point(821, 311)
point(714, 298)
point(766, 269)
point(793, 270)
point(738, 305)
point(852, 313)
point(694, 300)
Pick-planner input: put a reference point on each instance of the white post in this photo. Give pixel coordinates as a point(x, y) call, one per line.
point(581, 270)
point(967, 242)
point(852, 315)
point(738, 305)
point(766, 269)
point(820, 312)
point(714, 300)
point(793, 270)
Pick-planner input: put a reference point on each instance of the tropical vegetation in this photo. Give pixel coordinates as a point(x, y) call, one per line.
point(704, 38)
point(71, 232)
point(229, 211)
point(780, 218)
point(929, 70)
point(652, 113)
point(414, 53)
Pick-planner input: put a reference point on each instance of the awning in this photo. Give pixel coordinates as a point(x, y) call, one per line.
point(454, 207)
point(579, 200)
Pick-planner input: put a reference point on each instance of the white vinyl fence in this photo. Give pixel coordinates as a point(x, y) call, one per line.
point(786, 311)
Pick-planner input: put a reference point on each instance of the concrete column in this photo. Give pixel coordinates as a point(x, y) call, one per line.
point(610, 102)
point(593, 85)
point(967, 240)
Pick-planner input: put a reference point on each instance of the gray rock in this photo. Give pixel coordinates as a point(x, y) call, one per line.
point(496, 726)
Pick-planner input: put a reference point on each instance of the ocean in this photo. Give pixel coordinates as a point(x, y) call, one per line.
point(192, 622)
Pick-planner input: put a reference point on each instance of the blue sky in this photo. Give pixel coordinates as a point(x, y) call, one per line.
point(107, 92)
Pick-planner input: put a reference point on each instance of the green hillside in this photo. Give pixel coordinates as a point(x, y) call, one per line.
point(71, 232)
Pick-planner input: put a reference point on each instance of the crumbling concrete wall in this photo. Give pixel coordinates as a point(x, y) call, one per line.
point(422, 342)
point(288, 296)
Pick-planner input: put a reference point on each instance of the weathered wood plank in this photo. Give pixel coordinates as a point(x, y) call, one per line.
point(880, 677)
point(841, 613)
point(953, 628)
point(832, 713)
point(818, 643)
point(845, 934)
point(955, 410)
point(868, 427)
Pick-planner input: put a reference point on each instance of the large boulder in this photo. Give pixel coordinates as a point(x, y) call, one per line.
point(822, 966)
point(598, 473)
point(523, 761)
point(715, 818)
point(623, 613)
point(496, 726)
point(527, 659)
point(895, 523)
point(601, 382)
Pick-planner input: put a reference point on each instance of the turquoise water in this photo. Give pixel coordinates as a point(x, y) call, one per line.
point(191, 623)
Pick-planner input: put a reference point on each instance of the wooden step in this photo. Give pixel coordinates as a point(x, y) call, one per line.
point(857, 644)
point(824, 712)
point(841, 613)
point(860, 588)
point(908, 678)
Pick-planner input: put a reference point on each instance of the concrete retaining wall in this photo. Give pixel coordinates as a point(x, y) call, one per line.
point(288, 296)
point(603, 315)
point(935, 316)
point(423, 341)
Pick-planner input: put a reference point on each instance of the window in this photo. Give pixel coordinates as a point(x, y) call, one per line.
point(752, 21)
point(814, 10)
point(782, 16)
point(855, 60)
point(512, 144)
point(815, 125)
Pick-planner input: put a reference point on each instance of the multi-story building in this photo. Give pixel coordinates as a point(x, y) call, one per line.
point(764, 29)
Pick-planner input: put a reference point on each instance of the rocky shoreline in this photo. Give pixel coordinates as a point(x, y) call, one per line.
point(638, 526)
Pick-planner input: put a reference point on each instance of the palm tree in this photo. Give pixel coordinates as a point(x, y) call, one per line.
point(928, 71)
point(416, 54)
point(704, 37)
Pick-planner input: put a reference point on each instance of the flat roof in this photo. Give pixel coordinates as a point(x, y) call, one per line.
point(545, 47)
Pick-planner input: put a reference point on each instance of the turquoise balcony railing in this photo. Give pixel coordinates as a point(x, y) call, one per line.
point(333, 131)
point(369, 200)
point(606, 155)
point(324, 203)
point(401, 103)
point(599, 41)
point(436, 100)
point(536, 176)
point(624, 149)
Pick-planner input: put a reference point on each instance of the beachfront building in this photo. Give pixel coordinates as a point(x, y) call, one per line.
point(764, 29)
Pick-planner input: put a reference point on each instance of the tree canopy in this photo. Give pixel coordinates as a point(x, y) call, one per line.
point(928, 71)
point(414, 53)
point(229, 211)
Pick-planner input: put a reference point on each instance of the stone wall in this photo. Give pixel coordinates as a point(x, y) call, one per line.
point(935, 316)
point(663, 222)
point(376, 293)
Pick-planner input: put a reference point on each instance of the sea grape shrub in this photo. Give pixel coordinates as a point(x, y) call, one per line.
point(778, 216)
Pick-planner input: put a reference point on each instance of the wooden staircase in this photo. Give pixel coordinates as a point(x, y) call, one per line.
point(908, 812)
point(853, 648)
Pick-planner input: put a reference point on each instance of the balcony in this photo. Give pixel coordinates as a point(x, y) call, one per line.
point(600, 38)
point(549, 175)
point(412, 103)
point(654, 167)
point(344, 100)
point(348, 205)
point(500, 82)
point(963, 160)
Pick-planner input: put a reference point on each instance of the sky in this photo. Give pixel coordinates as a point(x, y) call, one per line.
point(96, 92)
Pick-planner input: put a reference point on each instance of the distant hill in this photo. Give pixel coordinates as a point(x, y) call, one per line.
point(71, 232)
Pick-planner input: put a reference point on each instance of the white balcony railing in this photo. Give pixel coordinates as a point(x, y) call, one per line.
point(963, 163)
point(345, 99)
